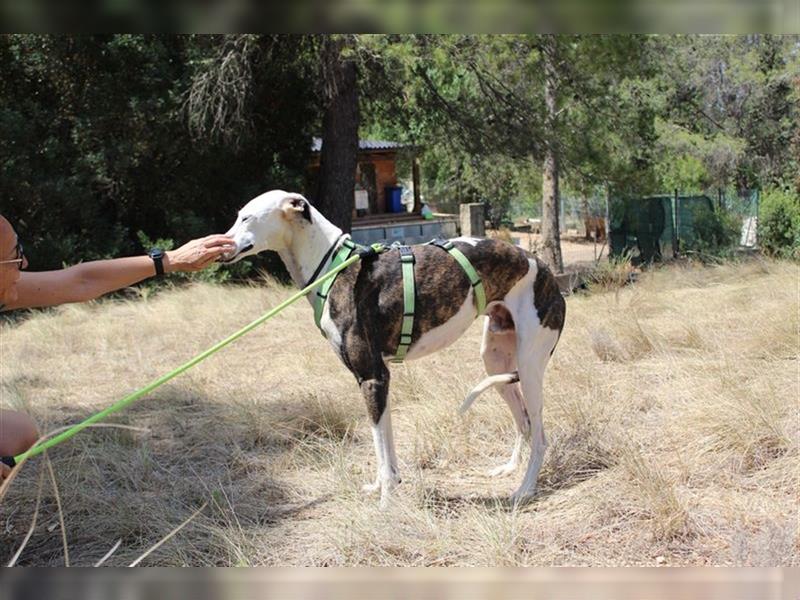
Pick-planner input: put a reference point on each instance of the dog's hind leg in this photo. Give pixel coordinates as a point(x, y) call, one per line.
point(534, 346)
point(499, 354)
point(538, 312)
point(376, 391)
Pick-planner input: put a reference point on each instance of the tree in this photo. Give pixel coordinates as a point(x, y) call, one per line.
point(340, 121)
point(560, 104)
point(729, 110)
point(551, 237)
point(97, 149)
point(222, 105)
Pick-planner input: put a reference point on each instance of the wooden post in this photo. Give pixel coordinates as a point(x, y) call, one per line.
point(675, 225)
point(415, 178)
point(607, 224)
point(473, 219)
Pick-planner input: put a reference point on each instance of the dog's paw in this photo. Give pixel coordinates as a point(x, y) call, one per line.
point(371, 488)
point(503, 470)
point(521, 497)
point(387, 500)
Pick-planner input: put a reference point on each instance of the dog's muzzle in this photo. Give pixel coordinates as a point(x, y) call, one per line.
point(234, 257)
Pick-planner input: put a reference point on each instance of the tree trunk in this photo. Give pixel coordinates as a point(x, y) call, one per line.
point(551, 236)
point(339, 153)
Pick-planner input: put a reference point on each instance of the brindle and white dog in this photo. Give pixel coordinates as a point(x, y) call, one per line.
point(364, 312)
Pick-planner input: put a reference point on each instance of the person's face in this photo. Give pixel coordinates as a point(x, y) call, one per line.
point(12, 261)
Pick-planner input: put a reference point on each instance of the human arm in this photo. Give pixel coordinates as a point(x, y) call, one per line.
point(90, 280)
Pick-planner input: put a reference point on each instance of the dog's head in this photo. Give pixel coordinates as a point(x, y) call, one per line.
point(267, 223)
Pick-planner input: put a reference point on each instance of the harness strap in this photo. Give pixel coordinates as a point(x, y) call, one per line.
point(409, 295)
point(324, 260)
point(345, 251)
point(472, 274)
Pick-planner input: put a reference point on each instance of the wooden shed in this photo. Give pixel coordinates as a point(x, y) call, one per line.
point(376, 170)
point(374, 220)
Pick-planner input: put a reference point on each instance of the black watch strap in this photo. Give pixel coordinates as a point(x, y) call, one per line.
point(157, 254)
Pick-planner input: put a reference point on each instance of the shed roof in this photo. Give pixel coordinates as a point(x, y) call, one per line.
point(316, 145)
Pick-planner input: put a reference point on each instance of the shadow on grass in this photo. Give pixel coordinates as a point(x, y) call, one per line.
point(136, 486)
point(561, 471)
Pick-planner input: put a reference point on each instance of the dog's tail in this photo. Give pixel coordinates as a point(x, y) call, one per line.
point(491, 381)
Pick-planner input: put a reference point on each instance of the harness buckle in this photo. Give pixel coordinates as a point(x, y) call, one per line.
point(373, 250)
point(406, 255)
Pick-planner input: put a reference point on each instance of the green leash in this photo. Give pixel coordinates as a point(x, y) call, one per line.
point(65, 435)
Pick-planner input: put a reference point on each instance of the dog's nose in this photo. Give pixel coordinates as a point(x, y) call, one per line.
point(226, 256)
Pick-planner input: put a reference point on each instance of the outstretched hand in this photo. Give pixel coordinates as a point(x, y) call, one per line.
point(197, 254)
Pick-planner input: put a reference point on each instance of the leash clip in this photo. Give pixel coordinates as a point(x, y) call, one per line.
point(373, 250)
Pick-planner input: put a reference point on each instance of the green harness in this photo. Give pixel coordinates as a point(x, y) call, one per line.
point(409, 286)
point(321, 295)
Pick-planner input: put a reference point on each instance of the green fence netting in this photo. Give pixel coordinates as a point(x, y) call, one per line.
point(654, 227)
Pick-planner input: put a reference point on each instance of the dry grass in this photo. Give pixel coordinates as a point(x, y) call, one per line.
point(671, 409)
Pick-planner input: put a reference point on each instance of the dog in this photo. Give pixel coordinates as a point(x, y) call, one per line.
point(362, 317)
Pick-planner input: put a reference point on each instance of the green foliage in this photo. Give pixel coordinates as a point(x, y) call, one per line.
point(97, 143)
point(715, 233)
point(509, 188)
point(779, 223)
point(727, 111)
point(97, 147)
point(646, 115)
point(693, 161)
point(475, 104)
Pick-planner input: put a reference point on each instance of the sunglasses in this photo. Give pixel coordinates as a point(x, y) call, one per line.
point(20, 256)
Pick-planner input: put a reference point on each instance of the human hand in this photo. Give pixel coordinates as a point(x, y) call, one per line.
point(197, 254)
point(5, 471)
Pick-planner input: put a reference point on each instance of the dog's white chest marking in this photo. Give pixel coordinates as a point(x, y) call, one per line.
point(329, 327)
point(447, 333)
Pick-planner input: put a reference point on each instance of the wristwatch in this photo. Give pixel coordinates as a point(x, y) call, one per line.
point(157, 254)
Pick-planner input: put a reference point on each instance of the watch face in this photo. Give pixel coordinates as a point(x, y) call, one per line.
point(156, 253)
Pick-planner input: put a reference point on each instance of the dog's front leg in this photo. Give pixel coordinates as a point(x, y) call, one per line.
point(376, 392)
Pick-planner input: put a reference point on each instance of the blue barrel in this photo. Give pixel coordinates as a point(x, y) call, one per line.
point(393, 193)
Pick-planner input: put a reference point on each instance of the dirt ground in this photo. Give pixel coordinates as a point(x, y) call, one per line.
point(575, 250)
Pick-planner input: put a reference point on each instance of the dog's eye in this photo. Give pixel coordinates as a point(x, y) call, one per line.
point(247, 218)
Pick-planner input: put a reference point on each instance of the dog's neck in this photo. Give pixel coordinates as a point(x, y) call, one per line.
point(309, 244)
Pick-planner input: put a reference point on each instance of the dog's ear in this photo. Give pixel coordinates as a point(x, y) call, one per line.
point(296, 203)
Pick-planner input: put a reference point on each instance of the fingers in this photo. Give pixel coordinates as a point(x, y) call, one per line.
point(5, 471)
point(199, 254)
point(215, 251)
point(208, 259)
point(211, 255)
point(205, 257)
point(217, 240)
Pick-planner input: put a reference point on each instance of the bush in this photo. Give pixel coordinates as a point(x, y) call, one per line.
point(716, 233)
point(779, 223)
point(612, 275)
